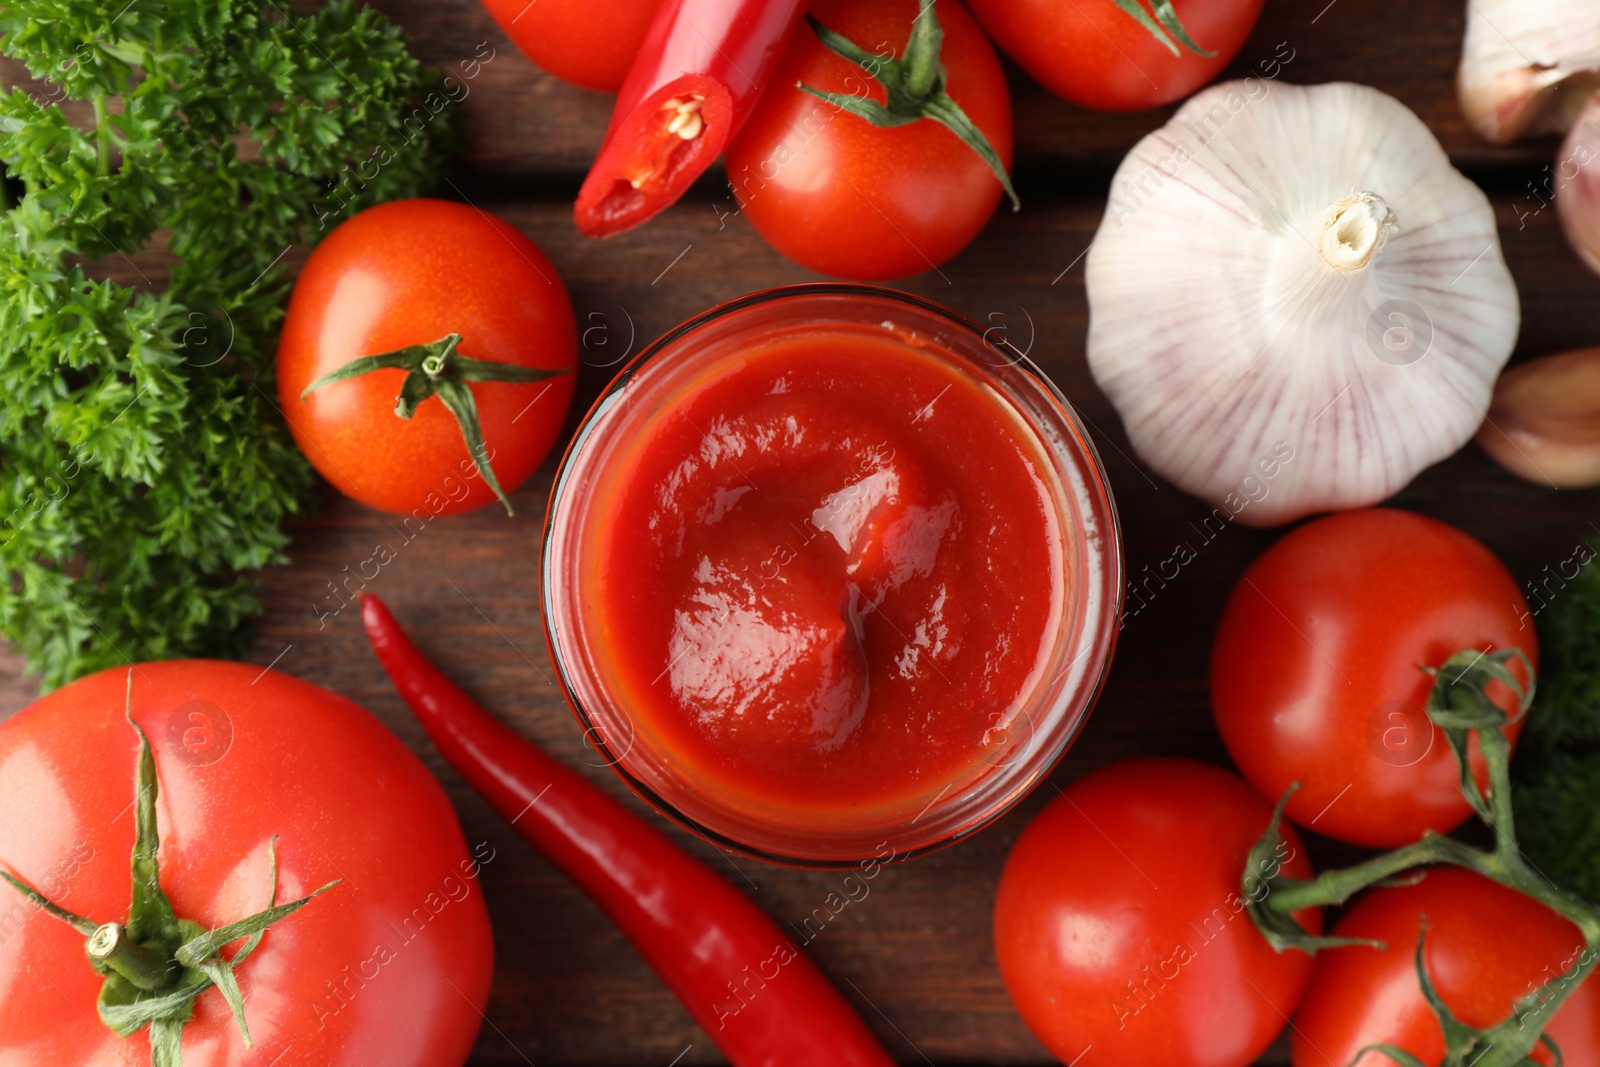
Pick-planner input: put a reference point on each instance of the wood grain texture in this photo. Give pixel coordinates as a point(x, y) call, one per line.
point(915, 954)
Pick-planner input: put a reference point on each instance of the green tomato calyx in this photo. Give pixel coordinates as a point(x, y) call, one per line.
point(1171, 32)
point(155, 964)
point(1460, 707)
point(439, 369)
point(914, 88)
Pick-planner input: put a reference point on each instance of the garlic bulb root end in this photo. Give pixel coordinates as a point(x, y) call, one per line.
point(1354, 229)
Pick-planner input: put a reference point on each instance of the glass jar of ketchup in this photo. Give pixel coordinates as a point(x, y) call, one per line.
point(831, 574)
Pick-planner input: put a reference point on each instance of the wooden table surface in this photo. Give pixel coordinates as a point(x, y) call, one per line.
point(915, 955)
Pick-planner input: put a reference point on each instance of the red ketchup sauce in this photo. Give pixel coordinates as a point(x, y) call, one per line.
point(831, 567)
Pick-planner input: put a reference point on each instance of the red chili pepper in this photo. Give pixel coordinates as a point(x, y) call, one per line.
point(743, 979)
point(696, 79)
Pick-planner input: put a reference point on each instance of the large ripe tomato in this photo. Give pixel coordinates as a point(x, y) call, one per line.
point(1487, 946)
point(576, 40)
point(1121, 931)
point(1093, 53)
point(1317, 672)
point(843, 197)
point(391, 966)
point(411, 272)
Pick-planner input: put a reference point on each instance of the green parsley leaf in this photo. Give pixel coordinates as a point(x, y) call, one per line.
point(1569, 656)
point(144, 468)
point(1557, 768)
point(1558, 818)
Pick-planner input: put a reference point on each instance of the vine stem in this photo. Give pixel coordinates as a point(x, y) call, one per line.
point(1460, 705)
point(1505, 864)
point(1336, 887)
point(1496, 750)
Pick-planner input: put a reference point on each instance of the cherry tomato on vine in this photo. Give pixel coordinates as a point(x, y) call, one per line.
point(389, 966)
point(1317, 674)
point(842, 196)
point(1098, 54)
point(573, 41)
point(1121, 926)
point(1486, 946)
point(455, 315)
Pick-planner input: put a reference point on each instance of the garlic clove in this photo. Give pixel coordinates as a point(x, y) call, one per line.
point(1577, 182)
point(1295, 280)
point(1527, 66)
point(1544, 422)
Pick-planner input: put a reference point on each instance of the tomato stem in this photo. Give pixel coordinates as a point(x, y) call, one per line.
point(439, 369)
point(111, 946)
point(914, 88)
point(1459, 705)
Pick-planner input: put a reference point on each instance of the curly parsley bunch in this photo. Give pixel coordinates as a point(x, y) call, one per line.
point(143, 466)
point(1558, 759)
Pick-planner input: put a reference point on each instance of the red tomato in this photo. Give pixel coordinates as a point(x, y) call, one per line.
point(573, 40)
point(1093, 53)
point(1316, 675)
point(1120, 926)
point(1487, 946)
point(391, 966)
point(843, 197)
point(411, 272)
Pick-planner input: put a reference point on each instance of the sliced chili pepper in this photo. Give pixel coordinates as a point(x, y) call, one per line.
point(696, 79)
point(743, 979)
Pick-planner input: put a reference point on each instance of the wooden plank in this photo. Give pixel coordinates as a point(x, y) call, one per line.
point(917, 948)
point(915, 954)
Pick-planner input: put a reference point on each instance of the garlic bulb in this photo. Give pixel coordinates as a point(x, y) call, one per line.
point(1527, 66)
point(1577, 183)
point(1544, 424)
point(1295, 302)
